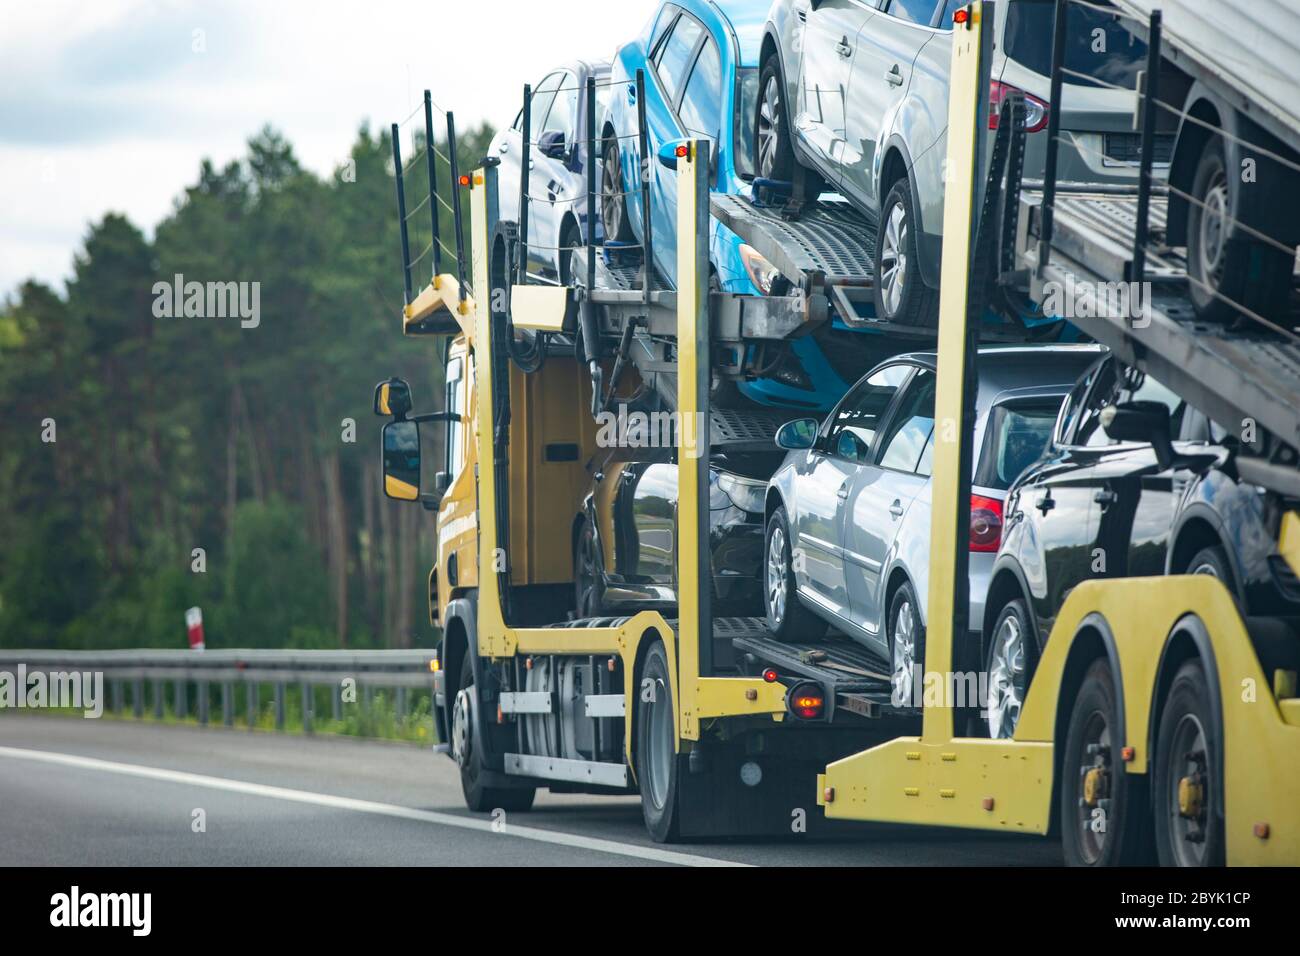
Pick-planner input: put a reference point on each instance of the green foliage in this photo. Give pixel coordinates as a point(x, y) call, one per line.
point(181, 433)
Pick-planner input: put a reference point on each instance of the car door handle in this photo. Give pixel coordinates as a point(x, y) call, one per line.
point(631, 94)
point(504, 148)
point(894, 77)
point(843, 48)
point(843, 493)
point(802, 15)
point(896, 509)
point(1105, 497)
point(1046, 503)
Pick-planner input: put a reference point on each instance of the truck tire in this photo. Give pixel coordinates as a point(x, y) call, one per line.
point(901, 295)
point(1188, 818)
point(787, 618)
point(776, 159)
point(1223, 259)
point(466, 747)
point(1103, 809)
point(658, 765)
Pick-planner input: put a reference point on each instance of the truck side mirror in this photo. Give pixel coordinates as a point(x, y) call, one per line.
point(401, 460)
point(392, 398)
point(441, 482)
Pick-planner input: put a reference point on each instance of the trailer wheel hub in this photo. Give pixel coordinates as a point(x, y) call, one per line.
point(1191, 797)
point(461, 728)
point(1095, 785)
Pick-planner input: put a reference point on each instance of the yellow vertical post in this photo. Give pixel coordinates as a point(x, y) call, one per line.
point(492, 634)
point(694, 631)
point(952, 443)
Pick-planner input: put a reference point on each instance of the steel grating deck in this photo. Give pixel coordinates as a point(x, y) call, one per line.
point(830, 239)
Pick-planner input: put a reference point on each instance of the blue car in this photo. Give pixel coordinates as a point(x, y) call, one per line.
point(701, 63)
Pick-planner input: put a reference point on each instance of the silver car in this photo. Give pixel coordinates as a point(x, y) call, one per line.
point(848, 513)
point(866, 82)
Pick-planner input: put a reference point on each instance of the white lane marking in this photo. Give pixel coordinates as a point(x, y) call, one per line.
point(366, 806)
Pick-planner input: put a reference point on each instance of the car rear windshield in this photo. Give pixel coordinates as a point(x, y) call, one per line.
point(1017, 433)
point(1098, 48)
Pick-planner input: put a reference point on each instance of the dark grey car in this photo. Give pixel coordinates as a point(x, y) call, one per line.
point(854, 98)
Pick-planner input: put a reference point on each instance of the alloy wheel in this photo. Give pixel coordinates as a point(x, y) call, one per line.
point(1006, 678)
point(611, 195)
point(769, 113)
point(903, 678)
point(893, 259)
point(776, 596)
point(1214, 229)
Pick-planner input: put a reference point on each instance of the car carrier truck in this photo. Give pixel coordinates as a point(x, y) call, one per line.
point(721, 729)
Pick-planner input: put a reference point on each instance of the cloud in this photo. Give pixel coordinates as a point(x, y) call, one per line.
point(110, 105)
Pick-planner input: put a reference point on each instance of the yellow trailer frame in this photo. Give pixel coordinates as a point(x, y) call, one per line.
point(1008, 785)
point(696, 697)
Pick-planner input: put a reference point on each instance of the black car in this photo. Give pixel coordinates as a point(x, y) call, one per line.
point(1094, 507)
point(625, 540)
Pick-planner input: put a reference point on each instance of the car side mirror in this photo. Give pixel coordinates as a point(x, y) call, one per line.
point(392, 398)
point(552, 145)
point(1142, 421)
point(799, 435)
point(401, 460)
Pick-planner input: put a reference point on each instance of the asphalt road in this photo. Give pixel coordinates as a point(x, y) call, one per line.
point(81, 792)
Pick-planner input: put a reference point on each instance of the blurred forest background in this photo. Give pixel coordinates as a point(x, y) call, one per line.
point(179, 433)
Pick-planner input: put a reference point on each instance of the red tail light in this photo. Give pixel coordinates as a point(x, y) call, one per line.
point(985, 524)
point(1035, 109)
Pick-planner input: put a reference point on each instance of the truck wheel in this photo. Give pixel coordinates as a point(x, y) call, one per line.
point(787, 618)
point(586, 574)
point(657, 761)
point(1010, 665)
point(776, 158)
point(901, 295)
point(1189, 821)
point(613, 201)
point(1222, 259)
point(906, 646)
point(1102, 807)
point(466, 747)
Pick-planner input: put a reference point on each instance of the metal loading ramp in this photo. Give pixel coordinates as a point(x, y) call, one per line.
point(1231, 373)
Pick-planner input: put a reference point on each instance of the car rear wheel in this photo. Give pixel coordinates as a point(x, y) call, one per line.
point(901, 295)
point(787, 618)
point(776, 159)
point(613, 198)
point(906, 647)
point(1225, 265)
point(1189, 822)
point(1103, 808)
point(1009, 666)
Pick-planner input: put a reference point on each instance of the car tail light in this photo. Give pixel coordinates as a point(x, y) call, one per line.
point(806, 701)
point(985, 524)
point(1035, 109)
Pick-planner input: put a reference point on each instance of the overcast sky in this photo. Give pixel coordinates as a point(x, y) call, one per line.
point(111, 104)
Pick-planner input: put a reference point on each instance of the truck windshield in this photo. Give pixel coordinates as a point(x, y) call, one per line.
point(1097, 45)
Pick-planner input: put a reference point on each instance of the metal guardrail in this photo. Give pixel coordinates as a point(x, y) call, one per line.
point(150, 670)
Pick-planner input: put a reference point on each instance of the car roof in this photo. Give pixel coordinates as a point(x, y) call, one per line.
point(1018, 367)
point(746, 20)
